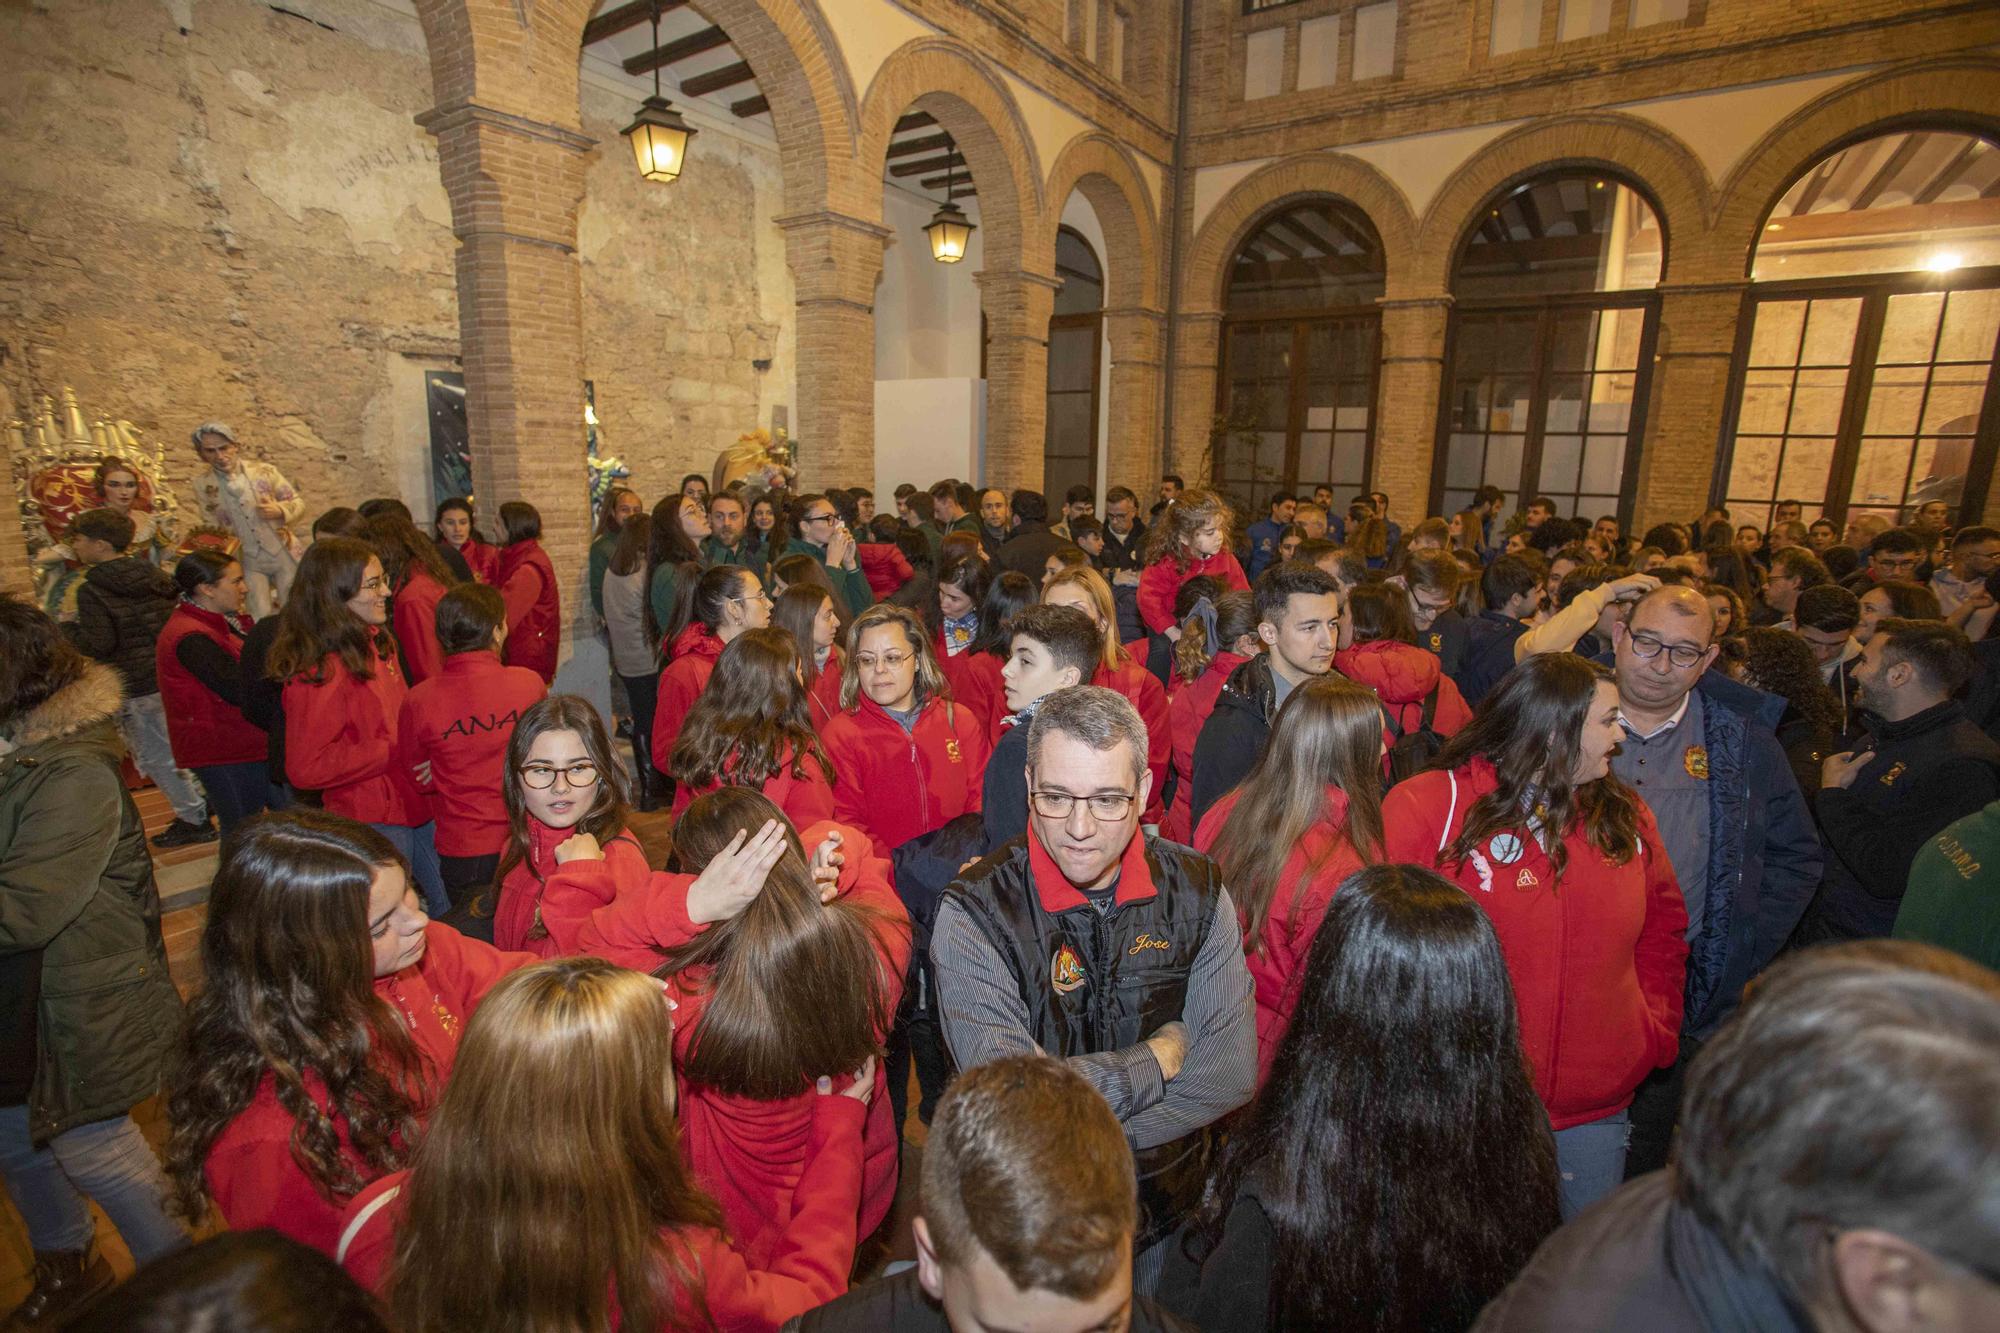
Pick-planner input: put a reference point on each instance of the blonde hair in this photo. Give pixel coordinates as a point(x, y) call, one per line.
point(930, 676)
point(1099, 592)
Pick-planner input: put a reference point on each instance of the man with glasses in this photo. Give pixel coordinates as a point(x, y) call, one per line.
point(1701, 750)
point(1794, 569)
point(824, 537)
point(1112, 950)
point(1894, 554)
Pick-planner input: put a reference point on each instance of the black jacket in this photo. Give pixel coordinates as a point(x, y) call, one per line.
point(1489, 653)
point(1447, 639)
point(899, 1304)
point(1125, 552)
point(1027, 550)
point(1928, 770)
point(1233, 737)
point(120, 609)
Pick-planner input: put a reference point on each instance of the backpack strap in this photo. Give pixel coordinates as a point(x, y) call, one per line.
point(361, 1219)
point(1389, 720)
point(1431, 706)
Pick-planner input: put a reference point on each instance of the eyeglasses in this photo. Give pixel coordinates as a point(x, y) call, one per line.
point(869, 661)
point(753, 597)
point(376, 584)
point(543, 776)
point(1646, 647)
point(1106, 807)
point(818, 518)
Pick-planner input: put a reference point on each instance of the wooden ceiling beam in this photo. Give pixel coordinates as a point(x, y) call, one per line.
point(681, 48)
point(902, 169)
point(750, 106)
point(927, 144)
point(614, 21)
point(701, 85)
point(914, 120)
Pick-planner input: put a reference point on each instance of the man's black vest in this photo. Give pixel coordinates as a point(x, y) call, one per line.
point(1096, 982)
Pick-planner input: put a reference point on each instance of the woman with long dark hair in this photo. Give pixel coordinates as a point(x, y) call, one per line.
point(343, 700)
point(633, 639)
point(793, 571)
point(1218, 634)
point(752, 727)
point(807, 612)
point(330, 1010)
point(1779, 662)
point(420, 579)
point(673, 557)
point(455, 527)
point(961, 588)
point(1379, 649)
point(1397, 1171)
point(1086, 590)
point(777, 981)
point(620, 505)
point(1521, 810)
point(527, 580)
point(552, 1193)
point(198, 662)
point(713, 609)
point(1308, 816)
point(974, 675)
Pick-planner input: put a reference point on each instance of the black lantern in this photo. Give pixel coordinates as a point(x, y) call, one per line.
point(949, 230)
point(659, 136)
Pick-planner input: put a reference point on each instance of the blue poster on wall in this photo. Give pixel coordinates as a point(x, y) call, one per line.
point(451, 448)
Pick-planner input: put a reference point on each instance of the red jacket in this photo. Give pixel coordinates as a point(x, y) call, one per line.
point(805, 800)
point(527, 581)
point(1143, 688)
point(250, 1169)
point(203, 727)
point(1401, 674)
point(1160, 582)
point(749, 1153)
point(823, 695)
point(976, 685)
point(692, 658)
point(483, 559)
point(340, 740)
point(895, 785)
point(884, 566)
point(1319, 864)
point(806, 1266)
point(1188, 707)
point(1598, 961)
point(460, 721)
point(416, 624)
point(543, 904)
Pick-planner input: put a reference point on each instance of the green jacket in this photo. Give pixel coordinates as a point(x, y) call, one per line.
point(1954, 896)
point(851, 583)
point(748, 554)
point(76, 883)
point(600, 560)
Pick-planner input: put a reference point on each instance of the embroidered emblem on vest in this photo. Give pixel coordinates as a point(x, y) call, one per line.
point(1144, 942)
point(1526, 879)
point(1695, 761)
point(1065, 970)
point(1895, 771)
point(951, 751)
point(1505, 848)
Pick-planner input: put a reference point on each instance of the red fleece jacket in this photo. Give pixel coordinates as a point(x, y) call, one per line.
point(1188, 707)
point(460, 722)
point(542, 904)
point(885, 567)
point(1143, 688)
point(894, 785)
point(805, 800)
point(415, 621)
point(1598, 961)
point(1160, 582)
point(976, 685)
point(340, 740)
point(692, 657)
point(527, 582)
point(823, 695)
point(1401, 674)
point(250, 1170)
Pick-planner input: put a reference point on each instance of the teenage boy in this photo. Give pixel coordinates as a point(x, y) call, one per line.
point(1079, 501)
point(1894, 554)
point(952, 502)
point(1298, 618)
point(1025, 1216)
point(121, 607)
point(1051, 648)
point(1825, 618)
point(1513, 595)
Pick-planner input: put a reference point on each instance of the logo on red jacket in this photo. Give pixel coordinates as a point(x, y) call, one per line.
point(951, 751)
point(1065, 970)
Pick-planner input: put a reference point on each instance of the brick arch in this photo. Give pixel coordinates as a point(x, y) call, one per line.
point(492, 55)
point(1959, 93)
point(1649, 157)
point(1098, 167)
point(1255, 197)
point(952, 83)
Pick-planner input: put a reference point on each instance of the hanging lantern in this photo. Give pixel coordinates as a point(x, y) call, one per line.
point(949, 230)
point(658, 133)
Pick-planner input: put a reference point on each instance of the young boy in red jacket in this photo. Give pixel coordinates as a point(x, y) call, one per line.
point(453, 731)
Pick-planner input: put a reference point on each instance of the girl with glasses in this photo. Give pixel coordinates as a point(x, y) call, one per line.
point(527, 580)
point(724, 602)
point(343, 693)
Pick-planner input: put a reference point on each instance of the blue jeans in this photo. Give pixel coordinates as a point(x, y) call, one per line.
point(236, 791)
point(1591, 1159)
point(419, 848)
point(144, 723)
point(109, 1161)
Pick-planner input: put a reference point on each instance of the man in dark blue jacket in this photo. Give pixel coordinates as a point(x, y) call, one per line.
point(1701, 750)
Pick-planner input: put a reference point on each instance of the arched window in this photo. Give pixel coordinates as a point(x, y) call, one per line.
point(1069, 438)
point(1552, 325)
point(1866, 349)
point(1301, 341)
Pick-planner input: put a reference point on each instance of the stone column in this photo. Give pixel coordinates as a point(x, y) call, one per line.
point(1687, 400)
point(1197, 357)
point(1133, 452)
point(835, 260)
point(515, 185)
point(1017, 307)
point(1406, 406)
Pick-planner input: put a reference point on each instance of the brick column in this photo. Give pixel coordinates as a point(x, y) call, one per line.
point(514, 185)
point(1133, 453)
point(835, 260)
point(1017, 306)
point(1689, 394)
point(1406, 407)
point(1197, 356)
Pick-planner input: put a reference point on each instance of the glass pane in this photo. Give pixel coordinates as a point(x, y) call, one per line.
point(1957, 393)
point(1562, 455)
point(1753, 467)
point(1565, 402)
point(1508, 408)
point(1315, 456)
point(1895, 399)
point(1072, 424)
point(1970, 321)
point(1830, 328)
point(1072, 358)
point(1603, 463)
point(1909, 327)
point(1879, 472)
point(1613, 239)
point(1816, 402)
point(1317, 255)
point(1767, 398)
point(1774, 338)
point(1618, 339)
point(1350, 453)
point(1569, 340)
point(1270, 461)
point(1503, 462)
point(1940, 471)
point(1808, 471)
point(1611, 402)
point(1464, 460)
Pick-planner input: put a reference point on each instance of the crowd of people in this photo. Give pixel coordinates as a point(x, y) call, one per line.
point(1290, 923)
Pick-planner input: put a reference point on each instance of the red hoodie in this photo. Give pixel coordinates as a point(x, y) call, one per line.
point(527, 583)
point(976, 685)
point(250, 1170)
point(1319, 864)
point(895, 785)
point(1188, 708)
point(1401, 674)
point(460, 721)
point(543, 904)
point(885, 567)
point(1143, 688)
point(750, 1153)
point(1598, 961)
point(415, 621)
point(823, 695)
point(483, 559)
point(807, 1264)
point(340, 740)
point(1160, 582)
point(805, 800)
point(692, 658)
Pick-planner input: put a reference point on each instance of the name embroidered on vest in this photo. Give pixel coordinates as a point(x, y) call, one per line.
point(467, 726)
point(1146, 941)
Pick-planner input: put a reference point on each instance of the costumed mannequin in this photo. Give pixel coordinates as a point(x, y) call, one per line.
point(252, 499)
